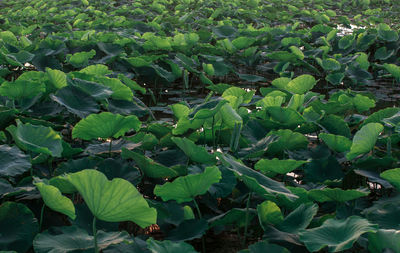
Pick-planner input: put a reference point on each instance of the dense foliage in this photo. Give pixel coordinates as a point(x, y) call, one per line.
point(199, 126)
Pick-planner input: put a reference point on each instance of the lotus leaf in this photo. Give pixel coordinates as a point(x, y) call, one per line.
point(113, 201)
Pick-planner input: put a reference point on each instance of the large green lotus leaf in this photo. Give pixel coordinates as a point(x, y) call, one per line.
point(131, 84)
point(394, 70)
point(360, 102)
point(230, 117)
point(299, 219)
point(335, 234)
point(335, 78)
point(105, 125)
point(120, 90)
point(80, 59)
point(97, 91)
point(37, 139)
point(297, 52)
point(385, 213)
point(288, 140)
point(383, 240)
point(243, 42)
point(167, 246)
point(282, 56)
point(74, 239)
point(62, 184)
point(97, 69)
point(184, 124)
point(378, 116)
point(281, 82)
point(263, 246)
point(149, 167)
point(387, 34)
point(326, 168)
point(269, 214)
point(337, 143)
point(13, 161)
point(207, 109)
point(138, 62)
point(278, 166)
point(393, 176)
point(234, 216)
point(336, 194)
point(287, 117)
point(57, 78)
point(335, 125)
point(76, 101)
point(21, 89)
point(113, 201)
point(194, 152)
point(18, 227)
point(254, 180)
point(53, 198)
point(364, 140)
point(330, 64)
point(186, 188)
point(301, 84)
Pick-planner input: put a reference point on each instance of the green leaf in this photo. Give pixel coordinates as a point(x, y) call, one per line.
point(149, 167)
point(337, 235)
point(75, 101)
point(393, 176)
point(167, 246)
point(337, 143)
point(21, 89)
point(301, 84)
point(105, 125)
point(394, 70)
point(299, 219)
point(13, 161)
point(53, 198)
point(254, 180)
point(383, 240)
point(113, 201)
point(80, 59)
point(330, 64)
point(74, 239)
point(297, 52)
point(186, 188)
point(336, 194)
point(269, 214)
point(364, 140)
point(57, 78)
point(262, 246)
point(38, 139)
point(288, 140)
point(98, 70)
point(18, 227)
point(194, 152)
point(278, 166)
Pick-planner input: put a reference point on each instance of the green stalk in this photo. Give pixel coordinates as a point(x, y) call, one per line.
point(213, 134)
point(203, 242)
point(41, 217)
point(96, 249)
point(246, 220)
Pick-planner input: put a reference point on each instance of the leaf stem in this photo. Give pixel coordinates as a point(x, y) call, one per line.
point(213, 134)
point(41, 217)
point(203, 242)
point(96, 250)
point(246, 220)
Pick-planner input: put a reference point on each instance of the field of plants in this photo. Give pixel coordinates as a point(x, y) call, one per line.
point(180, 126)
